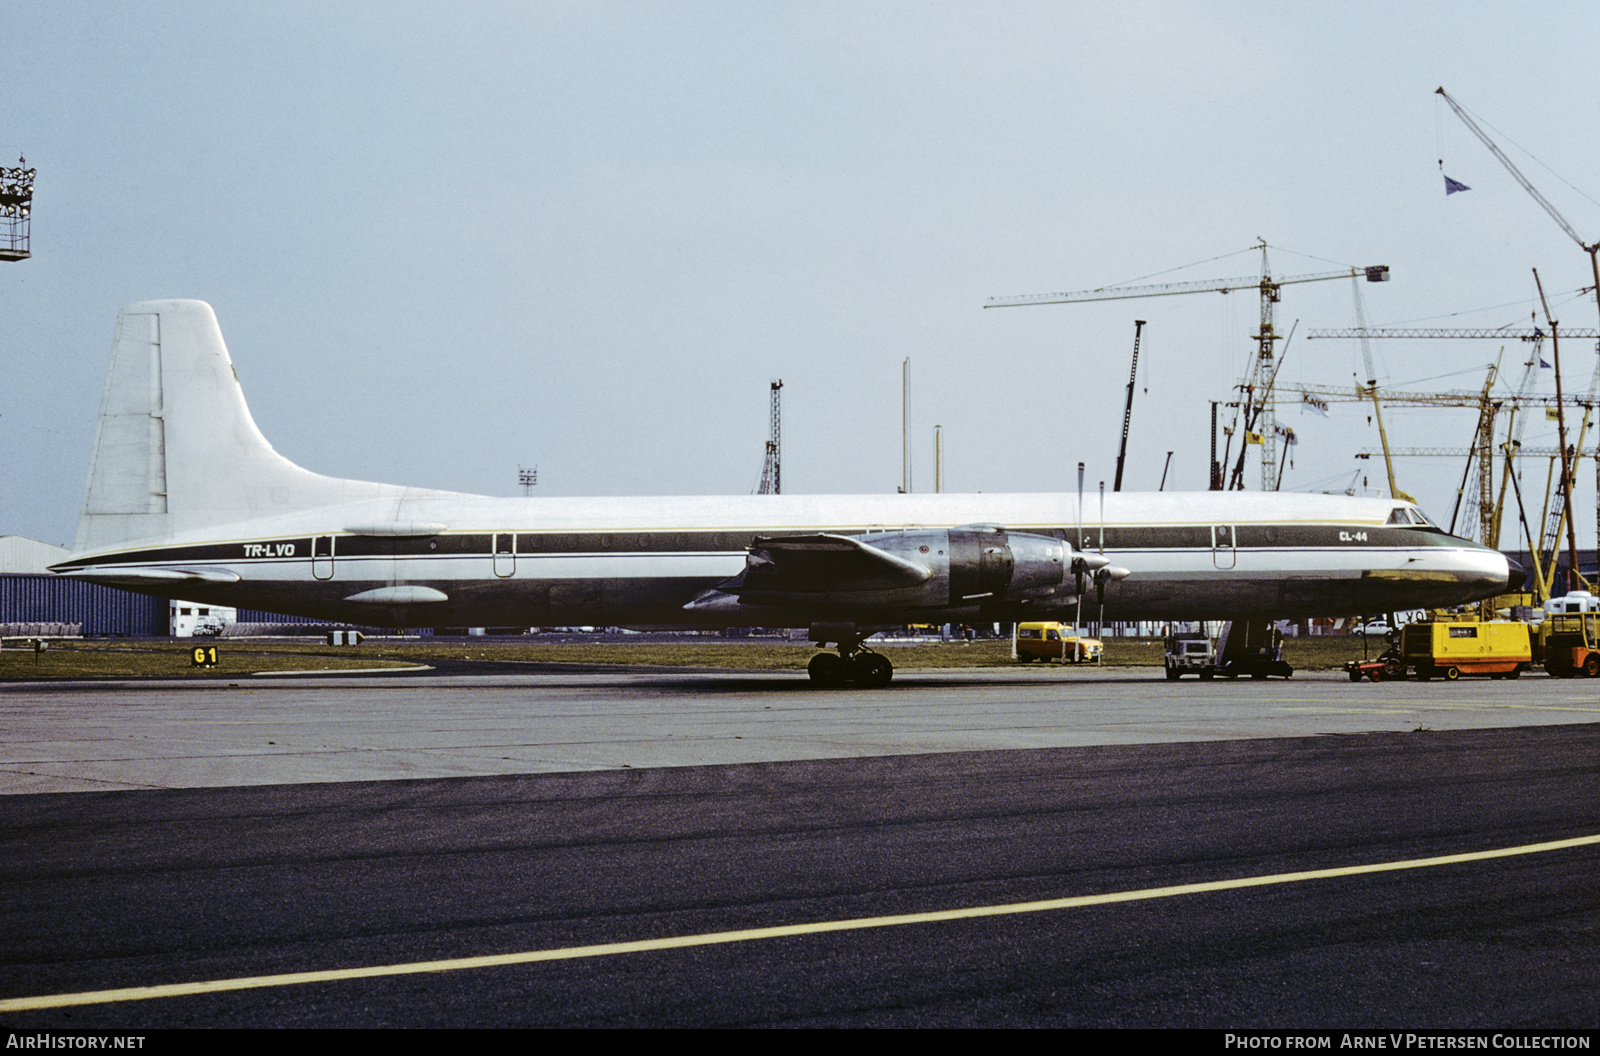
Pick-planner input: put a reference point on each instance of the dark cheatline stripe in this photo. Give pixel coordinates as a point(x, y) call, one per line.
point(478, 544)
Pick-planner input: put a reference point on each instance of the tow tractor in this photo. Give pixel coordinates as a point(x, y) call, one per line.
point(1570, 644)
point(1386, 665)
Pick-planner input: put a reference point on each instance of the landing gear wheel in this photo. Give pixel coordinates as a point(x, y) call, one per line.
point(871, 670)
point(827, 669)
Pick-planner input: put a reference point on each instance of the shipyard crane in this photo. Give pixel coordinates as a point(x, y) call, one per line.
point(771, 467)
point(1483, 439)
point(1500, 334)
point(1534, 336)
point(1263, 369)
point(1568, 476)
point(1591, 248)
point(1127, 411)
point(1372, 387)
point(1540, 549)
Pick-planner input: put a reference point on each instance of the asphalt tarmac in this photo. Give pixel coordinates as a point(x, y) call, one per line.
point(1016, 848)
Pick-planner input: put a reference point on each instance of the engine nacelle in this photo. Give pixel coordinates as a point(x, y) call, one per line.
point(909, 574)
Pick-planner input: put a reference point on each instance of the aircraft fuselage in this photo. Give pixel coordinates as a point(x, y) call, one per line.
point(643, 561)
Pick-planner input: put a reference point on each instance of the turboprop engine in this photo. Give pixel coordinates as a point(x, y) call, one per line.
point(943, 571)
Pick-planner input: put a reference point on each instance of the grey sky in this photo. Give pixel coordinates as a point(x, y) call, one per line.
point(443, 240)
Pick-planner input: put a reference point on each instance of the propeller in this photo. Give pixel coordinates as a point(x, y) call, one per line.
point(1106, 574)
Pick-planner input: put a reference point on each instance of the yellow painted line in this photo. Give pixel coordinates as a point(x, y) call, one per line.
point(146, 993)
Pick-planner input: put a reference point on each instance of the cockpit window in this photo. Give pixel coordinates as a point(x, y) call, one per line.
point(1409, 515)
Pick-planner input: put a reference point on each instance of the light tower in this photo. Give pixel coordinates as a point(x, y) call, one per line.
point(770, 470)
point(16, 209)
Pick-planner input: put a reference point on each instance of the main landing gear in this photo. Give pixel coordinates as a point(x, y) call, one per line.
point(851, 665)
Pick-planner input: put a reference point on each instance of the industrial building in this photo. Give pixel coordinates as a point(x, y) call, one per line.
point(34, 602)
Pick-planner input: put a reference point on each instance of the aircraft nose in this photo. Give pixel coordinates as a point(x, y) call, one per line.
point(1516, 576)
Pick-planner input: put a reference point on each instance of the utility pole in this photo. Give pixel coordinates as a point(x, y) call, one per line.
point(905, 427)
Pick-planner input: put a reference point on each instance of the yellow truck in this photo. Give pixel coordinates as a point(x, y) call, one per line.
point(1055, 641)
point(1570, 644)
point(1498, 648)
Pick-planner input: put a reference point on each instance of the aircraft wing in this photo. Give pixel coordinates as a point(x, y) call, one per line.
point(824, 562)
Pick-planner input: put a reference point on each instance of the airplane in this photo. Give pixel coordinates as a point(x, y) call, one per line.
point(187, 499)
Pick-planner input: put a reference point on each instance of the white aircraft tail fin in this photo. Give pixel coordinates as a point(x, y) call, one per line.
point(176, 447)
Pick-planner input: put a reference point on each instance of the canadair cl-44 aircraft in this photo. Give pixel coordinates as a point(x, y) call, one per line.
point(186, 499)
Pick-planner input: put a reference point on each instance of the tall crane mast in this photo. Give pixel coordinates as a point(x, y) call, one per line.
point(1127, 411)
point(1259, 386)
point(1372, 388)
point(771, 479)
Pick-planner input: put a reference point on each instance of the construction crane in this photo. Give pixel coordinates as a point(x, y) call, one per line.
point(1127, 411)
point(1501, 334)
point(1534, 336)
point(1483, 447)
point(1591, 248)
point(771, 479)
point(1541, 549)
point(1568, 476)
point(1372, 388)
point(16, 210)
point(1259, 387)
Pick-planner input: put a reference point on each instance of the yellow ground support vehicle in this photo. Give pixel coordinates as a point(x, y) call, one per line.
point(1055, 641)
point(1499, 649)
point(1570, 644)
